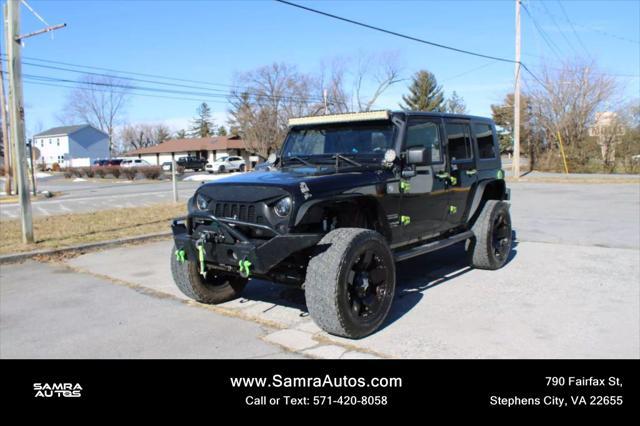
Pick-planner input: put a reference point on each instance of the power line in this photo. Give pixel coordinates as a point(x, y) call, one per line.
point(555, 23)
point(408, 37)
point(468, 71)
point(554, 48)
point(573, 28)
point(412, 38)
point(133, 87)
point(92, 89)
point(206, 91)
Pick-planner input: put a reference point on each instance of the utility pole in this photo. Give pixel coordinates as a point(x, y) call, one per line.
point(17, 117)
point(516, 101)
point(174, 179)
point(16, 110)
point(6, 139)
point(326, 106)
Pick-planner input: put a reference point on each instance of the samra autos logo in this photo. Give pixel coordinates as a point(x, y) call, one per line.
point(57, 390)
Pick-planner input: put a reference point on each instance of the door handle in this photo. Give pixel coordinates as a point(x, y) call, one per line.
point(471, 172)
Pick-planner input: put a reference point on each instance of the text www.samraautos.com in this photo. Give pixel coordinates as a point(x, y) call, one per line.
point(279, 381)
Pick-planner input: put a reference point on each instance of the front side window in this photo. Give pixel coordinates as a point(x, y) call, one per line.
point(425, 134)
point(459, 138)
point(350, 138)
point(484, 136)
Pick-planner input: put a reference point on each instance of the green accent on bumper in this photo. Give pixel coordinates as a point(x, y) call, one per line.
point(453, 209)
point(180, 256)
point(203, 269)
point(405, 186)
point(500, 174)
point(244, 268)
point(453, 180)
point(405, 220)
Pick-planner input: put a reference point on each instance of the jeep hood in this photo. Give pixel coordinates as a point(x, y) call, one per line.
point(291, 180)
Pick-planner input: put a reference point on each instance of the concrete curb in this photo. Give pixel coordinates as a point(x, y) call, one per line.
point(18, 257)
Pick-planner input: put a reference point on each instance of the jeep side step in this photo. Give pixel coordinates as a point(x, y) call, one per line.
point(432, 246)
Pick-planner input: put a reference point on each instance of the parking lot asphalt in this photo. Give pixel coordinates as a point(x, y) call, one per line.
point(48, 311)
point(570, 290)
point(89, 196)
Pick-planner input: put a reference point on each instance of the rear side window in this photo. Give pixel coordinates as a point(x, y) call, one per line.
point(459, 137)
point(425, 134)
point(484, 136)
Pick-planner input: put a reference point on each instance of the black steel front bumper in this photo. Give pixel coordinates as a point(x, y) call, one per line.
point(226, 245)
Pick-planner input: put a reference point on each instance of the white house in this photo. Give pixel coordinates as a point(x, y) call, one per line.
point(72, 146)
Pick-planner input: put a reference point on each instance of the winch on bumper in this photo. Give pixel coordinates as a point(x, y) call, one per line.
point(219, 243)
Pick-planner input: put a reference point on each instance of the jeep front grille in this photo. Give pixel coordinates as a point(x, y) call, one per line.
point(239, 211)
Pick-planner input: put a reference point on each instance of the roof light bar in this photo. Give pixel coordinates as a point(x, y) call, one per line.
point(340, 118)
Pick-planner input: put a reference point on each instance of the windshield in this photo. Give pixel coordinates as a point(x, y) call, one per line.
point(357, 139)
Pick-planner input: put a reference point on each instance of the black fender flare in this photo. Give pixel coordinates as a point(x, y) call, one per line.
point(381, 215)
point(478, 196)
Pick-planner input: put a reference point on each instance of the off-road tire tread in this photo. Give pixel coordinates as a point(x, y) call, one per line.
point(322, 279)
point(189, 281)
point(480, 247)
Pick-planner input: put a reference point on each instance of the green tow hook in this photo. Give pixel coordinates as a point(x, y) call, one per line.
point(203, 268)
point(244, 268)
point(180, 256)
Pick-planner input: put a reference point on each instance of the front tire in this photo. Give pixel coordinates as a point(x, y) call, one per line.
point(215, 288)
point(221, 169)
point(350, 285)
point(491, 246)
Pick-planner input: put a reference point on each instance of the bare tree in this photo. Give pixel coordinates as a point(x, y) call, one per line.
point(356, 83)
point(141, 135)
point(271, 95)
point(99, 101)
point(569, 100)
point(373, 75)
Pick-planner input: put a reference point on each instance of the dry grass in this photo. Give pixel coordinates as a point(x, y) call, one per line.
point(71, 229)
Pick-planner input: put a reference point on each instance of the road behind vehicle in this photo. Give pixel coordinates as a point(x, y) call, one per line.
point(347, 197)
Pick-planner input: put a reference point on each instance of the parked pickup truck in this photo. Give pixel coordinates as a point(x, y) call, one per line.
point(194, 163)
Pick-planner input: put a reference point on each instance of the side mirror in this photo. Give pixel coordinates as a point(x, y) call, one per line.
point(273, 157)
point(418, 155)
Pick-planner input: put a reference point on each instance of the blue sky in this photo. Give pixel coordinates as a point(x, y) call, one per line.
point(212, 40)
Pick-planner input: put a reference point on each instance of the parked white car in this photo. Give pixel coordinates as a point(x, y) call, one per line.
point(226, 164)
point(134, 162)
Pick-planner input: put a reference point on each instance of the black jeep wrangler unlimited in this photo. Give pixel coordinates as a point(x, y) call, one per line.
point(346, 197)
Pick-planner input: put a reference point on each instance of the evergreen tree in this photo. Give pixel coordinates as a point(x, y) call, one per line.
point(202, 125)
point(424, 93)
point(181, 134)
point(222, 131)
point(455, 104)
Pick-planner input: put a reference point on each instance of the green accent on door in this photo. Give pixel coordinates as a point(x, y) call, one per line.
point(453, 209)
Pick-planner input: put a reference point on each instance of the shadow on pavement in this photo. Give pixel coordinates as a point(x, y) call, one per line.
point(413, 278)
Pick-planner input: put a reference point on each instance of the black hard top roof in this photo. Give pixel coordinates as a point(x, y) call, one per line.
point(443, 115)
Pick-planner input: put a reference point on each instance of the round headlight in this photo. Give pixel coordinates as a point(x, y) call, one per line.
point(202, 202)
point(283, 207)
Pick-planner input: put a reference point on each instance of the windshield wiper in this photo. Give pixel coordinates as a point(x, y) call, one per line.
point(301, 160)
point(339, 157)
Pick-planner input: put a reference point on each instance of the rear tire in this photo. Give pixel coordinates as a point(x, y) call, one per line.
point(242, 167)
point(490, 247)
point(349, 286)
point(215, 288)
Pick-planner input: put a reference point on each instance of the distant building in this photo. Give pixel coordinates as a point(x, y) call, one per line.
point(71, 146)
point(607, 129)
point(210, 149)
